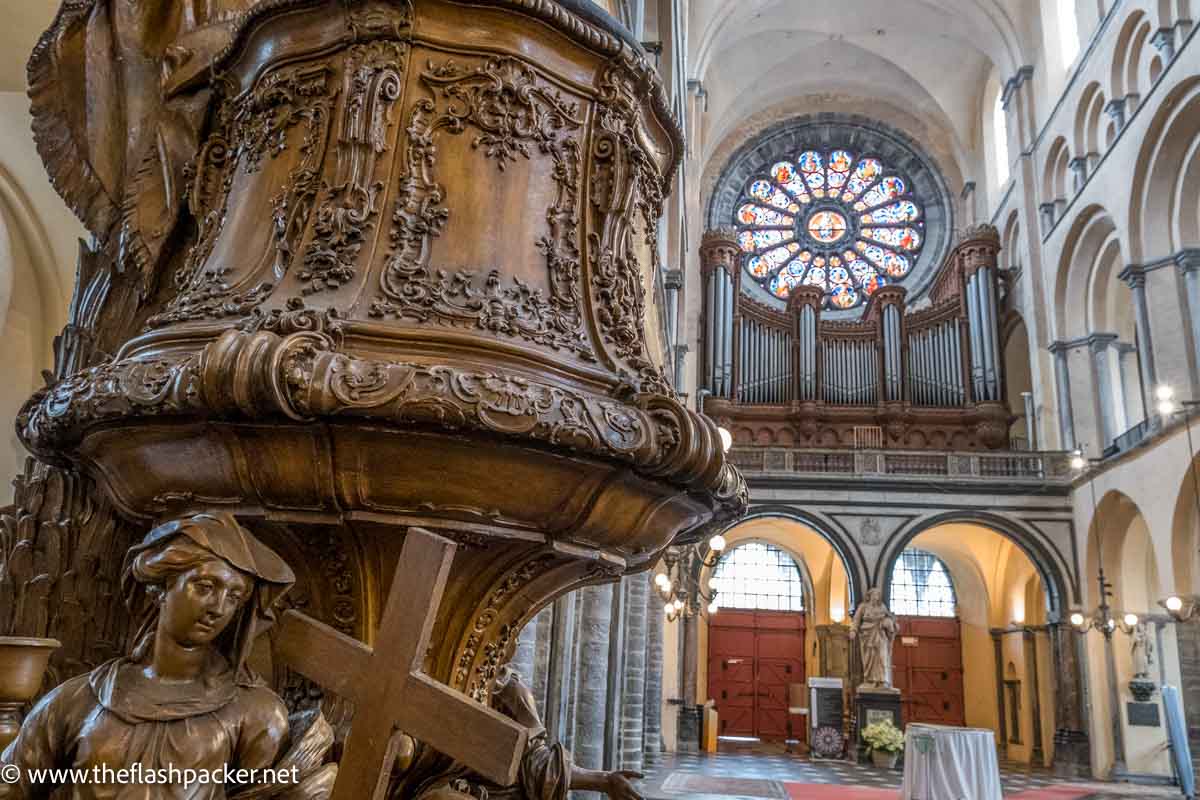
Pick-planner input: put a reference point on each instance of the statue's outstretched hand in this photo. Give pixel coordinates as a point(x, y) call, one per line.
point(618, 785)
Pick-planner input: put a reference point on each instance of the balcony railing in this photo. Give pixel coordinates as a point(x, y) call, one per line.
point(1012, 467)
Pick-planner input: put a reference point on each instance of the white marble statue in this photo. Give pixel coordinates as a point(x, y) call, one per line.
point(874, 628)
point(1143, 652)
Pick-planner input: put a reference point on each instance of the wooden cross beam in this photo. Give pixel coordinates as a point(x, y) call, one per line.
point(389, 690)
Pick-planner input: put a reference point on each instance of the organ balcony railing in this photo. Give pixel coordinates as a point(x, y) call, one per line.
point(917, 379)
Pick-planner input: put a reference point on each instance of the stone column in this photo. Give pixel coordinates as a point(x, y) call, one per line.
point(998, 648)
point(614, 694)
point(591, 676)
point(1072, 748)
point(544, 625)
point(1116, 111)
point(1164, 42)
point(1189, 265)
point(1136, 278)
point(633, 692)
point(652, 703)
point(1079, 173)
point(1047, 215)
point(1062, 385)
point(1029, 639)
point(689, 718)
point(1030, 421)
point(561, 667)
point(1099, 345)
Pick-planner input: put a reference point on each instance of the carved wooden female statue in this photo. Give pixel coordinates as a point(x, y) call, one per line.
point(202, 589)
point(875, 629)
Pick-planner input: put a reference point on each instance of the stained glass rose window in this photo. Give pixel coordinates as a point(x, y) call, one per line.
point(845, 223)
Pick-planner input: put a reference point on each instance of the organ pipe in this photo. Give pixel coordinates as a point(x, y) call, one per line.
point(727, 339)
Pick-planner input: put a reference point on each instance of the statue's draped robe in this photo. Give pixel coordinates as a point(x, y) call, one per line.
point(545, 772)
point(117, 717)
point(876, 630)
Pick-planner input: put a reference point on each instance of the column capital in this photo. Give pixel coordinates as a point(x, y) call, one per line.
point(719, 249)
point(1064, 346)
point(1099, 342)
point(1014, 83)
point(806, 295)
point(1134, 275)
point(1188, 260)
point(1164, 42)
point(1116, 111)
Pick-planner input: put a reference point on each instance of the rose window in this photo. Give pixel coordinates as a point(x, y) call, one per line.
point(844, 223)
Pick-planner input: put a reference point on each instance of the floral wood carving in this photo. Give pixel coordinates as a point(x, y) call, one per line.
point(250, 128)
point(626, 188)
point(373, 81)
point(512, 108)
point(487, 645)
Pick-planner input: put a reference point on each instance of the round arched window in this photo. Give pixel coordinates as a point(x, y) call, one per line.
point(921, 586)
point(759, 576)
point(833, 219)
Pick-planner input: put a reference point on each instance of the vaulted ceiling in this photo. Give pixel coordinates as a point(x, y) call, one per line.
point(924, 62)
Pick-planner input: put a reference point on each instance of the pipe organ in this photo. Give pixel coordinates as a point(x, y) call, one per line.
point(928, 378)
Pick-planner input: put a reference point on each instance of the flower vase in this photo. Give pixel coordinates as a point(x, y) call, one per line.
point(884, 759)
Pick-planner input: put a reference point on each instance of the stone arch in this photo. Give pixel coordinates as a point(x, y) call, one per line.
point(1165, 207)
point(1088, 236)
point(1018, 371)
point(1082, 143)
point(1185, 531)
point(1118, 536)
point(806, 577)
point(1127, 51)
point(1095, 121)
point(1011, 252)
point(854, 562)
point(1054, 173)
point(1062, 587)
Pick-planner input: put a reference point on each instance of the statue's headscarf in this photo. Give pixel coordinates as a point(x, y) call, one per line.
point(219, 533)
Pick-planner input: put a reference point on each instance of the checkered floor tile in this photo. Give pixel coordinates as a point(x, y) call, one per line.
point(771, 776)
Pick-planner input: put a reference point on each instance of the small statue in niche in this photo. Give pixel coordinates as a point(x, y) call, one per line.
point(201, 589)
point(546, 773)
point(874, 628)
point(1142, 651)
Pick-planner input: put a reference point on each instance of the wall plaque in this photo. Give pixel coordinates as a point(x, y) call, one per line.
point(1143, 714)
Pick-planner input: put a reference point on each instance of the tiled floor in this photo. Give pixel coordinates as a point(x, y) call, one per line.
point(780, 776)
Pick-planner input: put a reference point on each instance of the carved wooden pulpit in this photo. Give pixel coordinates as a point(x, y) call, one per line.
point(359, 266)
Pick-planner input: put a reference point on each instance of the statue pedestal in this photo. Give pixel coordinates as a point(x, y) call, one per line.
point(874, 705)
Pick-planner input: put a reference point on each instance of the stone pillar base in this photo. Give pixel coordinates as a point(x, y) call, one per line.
point(690, 718)
point(870, 706)
point(1072, 756)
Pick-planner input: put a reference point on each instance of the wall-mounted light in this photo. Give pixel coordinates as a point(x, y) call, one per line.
point(1166, 400)
point(726, 439)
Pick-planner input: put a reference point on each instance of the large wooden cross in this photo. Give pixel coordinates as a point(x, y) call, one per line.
point(389, 690)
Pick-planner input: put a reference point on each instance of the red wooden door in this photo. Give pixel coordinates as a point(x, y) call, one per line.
point(928, 670)
point(752, 657)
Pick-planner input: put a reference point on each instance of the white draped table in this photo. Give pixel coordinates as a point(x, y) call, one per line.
point(945, 763)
